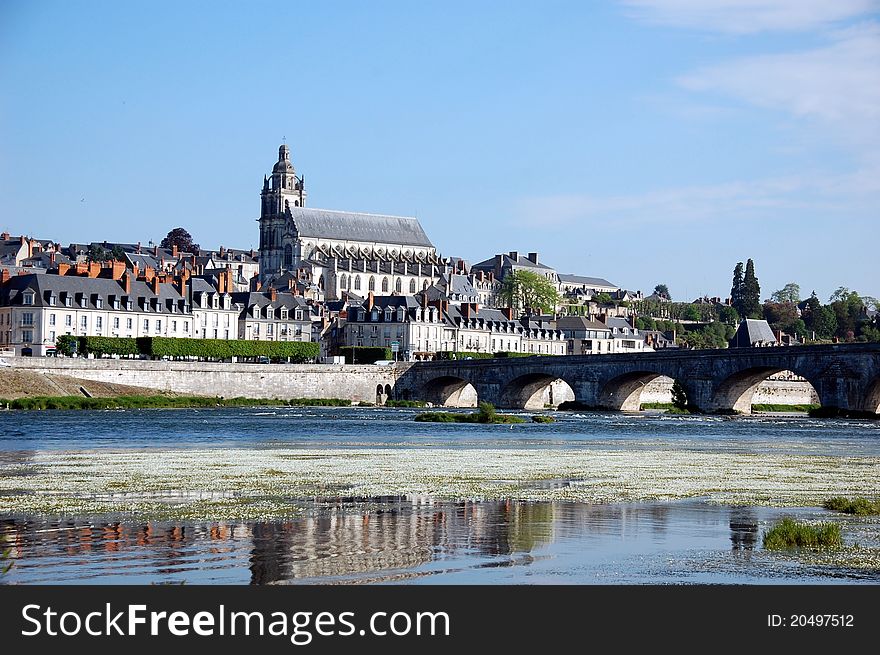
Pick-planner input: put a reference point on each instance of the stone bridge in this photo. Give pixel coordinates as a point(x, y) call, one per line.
point(845, 376)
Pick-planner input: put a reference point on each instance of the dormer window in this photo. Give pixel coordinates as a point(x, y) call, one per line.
point(374, 315)
point(128, 304)
point(99, 303)
point(298, 315)
point(52, 299)
point(215, 303)
point(27, 298)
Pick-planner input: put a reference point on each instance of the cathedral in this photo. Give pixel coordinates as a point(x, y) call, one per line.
point(338, 252)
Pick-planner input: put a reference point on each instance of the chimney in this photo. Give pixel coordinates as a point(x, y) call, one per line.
point(52, 259)
point(118, 268)
point(149, 274)
point(135, 272)
point(222, 251)
point(514, 255)
point(4, 276)
point(174, 251)
point(371, 299)
point(533, 257)
point(82, 268)
point(63, 268)
point(4, 236)
point(155, 285)
point(508, 313)
point(125, 282)
point(273, 294)
point(155, 251)
point(138, 248)
point(253, 253)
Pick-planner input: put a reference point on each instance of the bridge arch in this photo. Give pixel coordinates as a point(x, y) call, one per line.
point(535, 391)
point(450, 391)
point(872, 397)
point(737, 392)
point(624, 392)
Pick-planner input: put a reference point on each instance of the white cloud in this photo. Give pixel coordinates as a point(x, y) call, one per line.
point(853, 196)
point(749, 16)
point(840, 82)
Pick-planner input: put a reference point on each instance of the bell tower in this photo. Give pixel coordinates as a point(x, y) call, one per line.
point(282, 191)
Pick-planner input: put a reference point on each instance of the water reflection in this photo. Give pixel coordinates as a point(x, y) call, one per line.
point(412, 539)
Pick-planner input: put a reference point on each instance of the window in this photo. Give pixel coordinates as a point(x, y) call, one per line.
point(67, 300)
point(270, 329)
point(52, 300)
point(52, 336)
point(27, 299)
point(146, 325)
point(51, 319)
point(27, 336)
point(99, 322)
point(158, 325)
point(174, 326)
point(27, 318)
point(412, 286)
point(128, 323)
point(371, 286)
point(68, 320)
point(115, 322)
point(357, 283)
point(84, 322)
point(99, 303)
point(384, 285)
point(398, 285)
point(186, 326)
point(343, 281)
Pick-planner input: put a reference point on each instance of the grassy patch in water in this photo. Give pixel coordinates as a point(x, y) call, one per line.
point(859, 506)
point(789, 534)
point(770, 407)
point(320, 402)
point(486, 414)
point(539, 418)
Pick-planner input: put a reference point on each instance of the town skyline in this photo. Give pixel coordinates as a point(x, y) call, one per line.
point(542, 135)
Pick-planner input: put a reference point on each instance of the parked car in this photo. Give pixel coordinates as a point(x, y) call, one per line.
point(263, 360)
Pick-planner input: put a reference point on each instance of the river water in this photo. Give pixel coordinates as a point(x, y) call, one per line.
point(417, 538)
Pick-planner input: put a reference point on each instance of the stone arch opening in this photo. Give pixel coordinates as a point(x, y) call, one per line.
point(536, 391)
point(624, 392)
point(872, 397)
point(450, 391)
point(763, 386)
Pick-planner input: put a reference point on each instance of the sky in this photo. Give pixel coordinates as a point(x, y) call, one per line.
point(642, 141)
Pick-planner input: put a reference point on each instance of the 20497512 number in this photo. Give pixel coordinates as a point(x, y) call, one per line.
point(821, 620)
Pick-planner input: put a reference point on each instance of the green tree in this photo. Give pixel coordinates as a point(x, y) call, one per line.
point(824, 322)
point(737, 290)
point(98, 253)
point(751, 303)
point(182, 239)
point(728, 316)
point(527, 291)
point(663, 291)
point(604, 298)
point(791, 292)
point(118, 253)
point(679, 395)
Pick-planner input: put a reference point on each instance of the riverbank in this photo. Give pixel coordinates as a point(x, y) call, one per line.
point(22, 383)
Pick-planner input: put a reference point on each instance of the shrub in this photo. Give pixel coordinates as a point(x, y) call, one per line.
point(405, 403)
point(108, 346)
point(858, 506)
point(539, 418)
point(66, 344)
point(790, 534)
point(296, 351)
point(320, 402)
point(486, 413)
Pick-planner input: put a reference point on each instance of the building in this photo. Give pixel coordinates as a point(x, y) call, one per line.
point(273, 316)
point(500, 266)
point(293, 236)
point(36, 309)
point(584, 336)
point(753, 333)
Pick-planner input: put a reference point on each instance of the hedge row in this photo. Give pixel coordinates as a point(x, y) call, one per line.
point(364, 354)
point(296, 351)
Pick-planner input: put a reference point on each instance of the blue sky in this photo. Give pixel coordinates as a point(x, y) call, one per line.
point(642, 141)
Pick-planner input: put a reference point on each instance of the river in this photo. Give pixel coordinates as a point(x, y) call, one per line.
point(353, 495)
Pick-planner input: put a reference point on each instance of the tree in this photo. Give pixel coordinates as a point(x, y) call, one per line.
point(98, 253)
point(604, 298)
point(791, 292)
point(781, 315)
point(824, 323)
point(679, 396)
point(728, 316)
point(663, 291)
point(736, 291)
point(527, 291)
point(182, 239)
point(751, 302)
point(118, 253)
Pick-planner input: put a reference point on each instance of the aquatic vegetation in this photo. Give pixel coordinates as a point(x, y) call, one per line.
point(319, 402)
point(859, 506)
point(791, 534)
point(541, 418)
point(405, 403)
point(769, 407)
point(486, 414)
point(132, 402)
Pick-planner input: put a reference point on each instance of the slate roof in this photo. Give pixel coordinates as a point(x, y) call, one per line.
point(580, 280)
point(751, 332)
point(506, 261)
point(352, 226)
point(84, 291)
point(578, 323)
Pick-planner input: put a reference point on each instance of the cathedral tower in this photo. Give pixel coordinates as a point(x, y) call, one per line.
point(281, 192)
